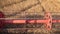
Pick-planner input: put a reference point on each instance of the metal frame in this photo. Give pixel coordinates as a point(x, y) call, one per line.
point(47, 21)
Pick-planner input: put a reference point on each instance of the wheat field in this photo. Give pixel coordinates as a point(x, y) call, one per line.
point(23, 8)
point(18, 8)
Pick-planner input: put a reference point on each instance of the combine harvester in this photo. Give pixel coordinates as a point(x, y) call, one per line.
point(23, 24)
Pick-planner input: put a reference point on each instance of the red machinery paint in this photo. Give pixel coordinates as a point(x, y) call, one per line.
point(1, 21)
point(47, 21)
